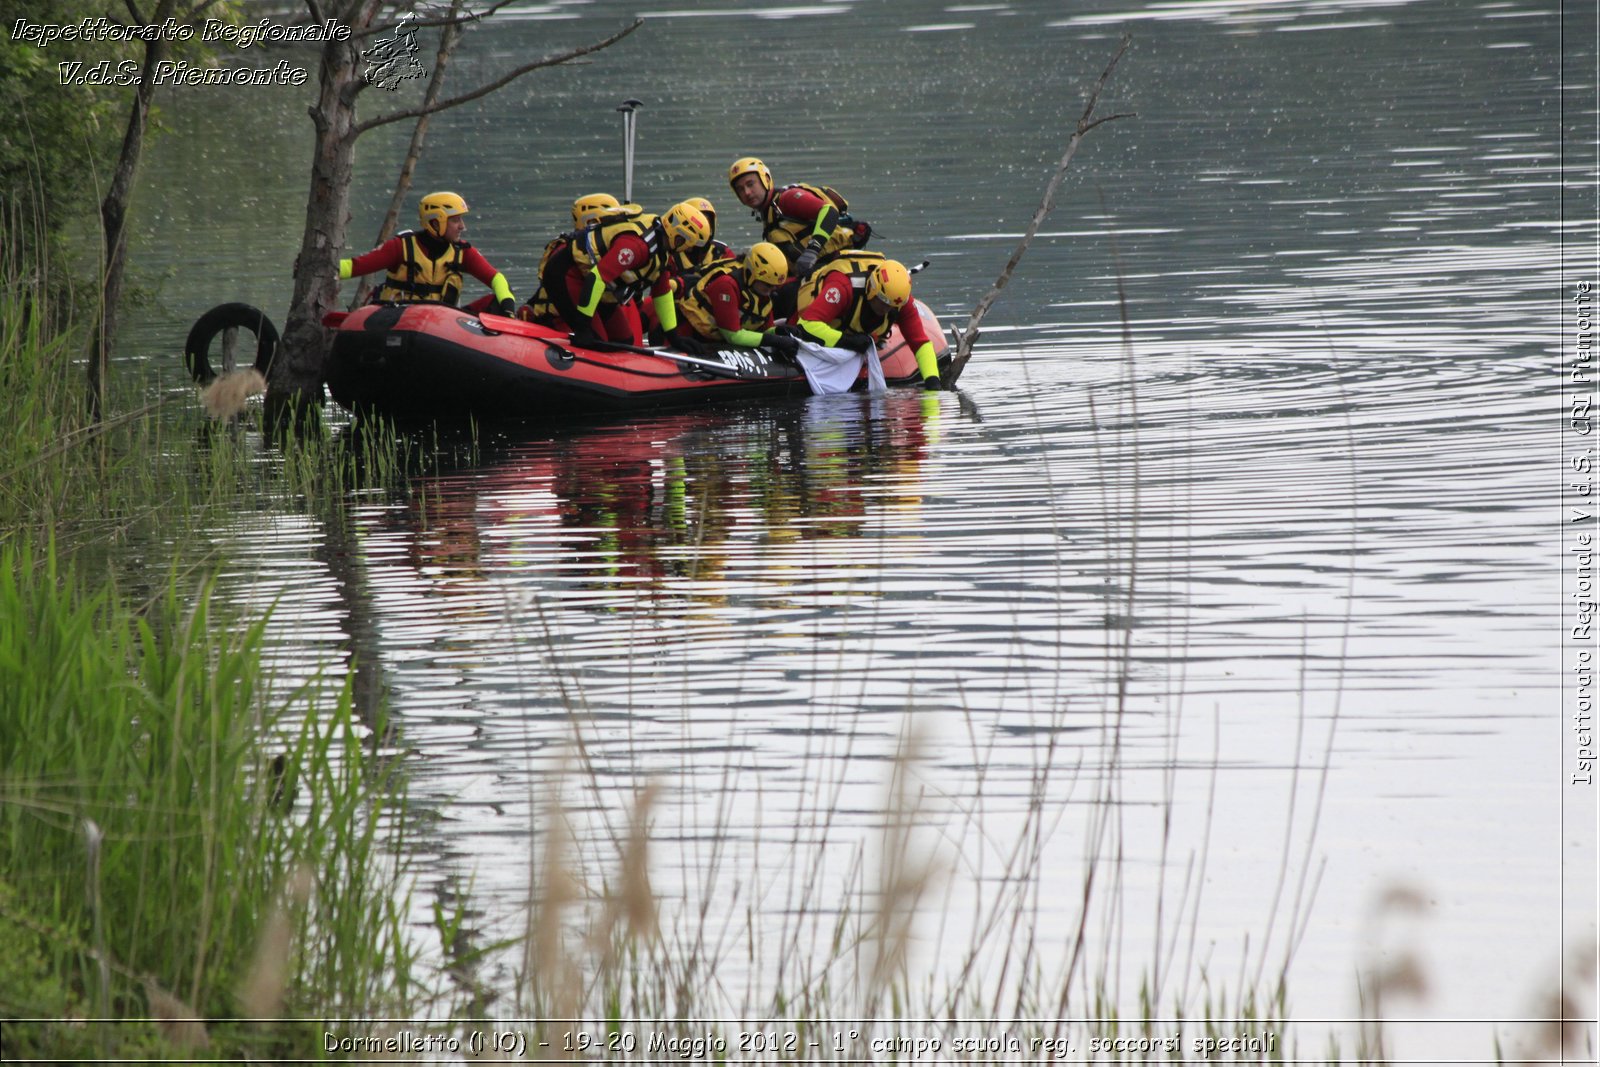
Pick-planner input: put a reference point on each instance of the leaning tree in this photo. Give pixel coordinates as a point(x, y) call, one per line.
point(294, 382)
point(118, 198)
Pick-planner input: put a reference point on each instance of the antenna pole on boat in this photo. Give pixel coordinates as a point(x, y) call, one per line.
point(629, 124)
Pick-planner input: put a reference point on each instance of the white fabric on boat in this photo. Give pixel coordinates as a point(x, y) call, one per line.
point(834, 370)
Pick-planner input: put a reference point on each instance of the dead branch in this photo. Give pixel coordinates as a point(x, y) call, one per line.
point(1086, 122)
point(441, 62)
point(485, 90)
point(454, 19)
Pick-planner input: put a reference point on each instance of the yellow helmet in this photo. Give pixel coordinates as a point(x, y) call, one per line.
point(708, 209)
point(586, 209)
point(890, 282)
point(765, 262)
point(435, 208)
point(750, 165)
point(685, 226)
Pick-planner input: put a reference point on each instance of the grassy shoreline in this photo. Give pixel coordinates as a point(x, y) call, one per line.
point(179, 844)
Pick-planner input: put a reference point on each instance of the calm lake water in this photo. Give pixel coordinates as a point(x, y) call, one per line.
point(1313, 502)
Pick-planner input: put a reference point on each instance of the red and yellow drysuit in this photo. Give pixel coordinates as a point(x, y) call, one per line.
point(835, 312)
point(425, 268)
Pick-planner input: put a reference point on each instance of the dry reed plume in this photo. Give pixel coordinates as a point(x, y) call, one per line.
point(1564, 1033)
point(178, 1022)
point(904, 877)
point(261, 993)
point(554, 977)
point(632, 900)
point(226, 396)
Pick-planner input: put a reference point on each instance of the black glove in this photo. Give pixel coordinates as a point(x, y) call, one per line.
point(507, 307)
point(808, 258)
point(855, 342)
point(691, 345)
point(584, 334)
point(657, 337)
point(932, 383)
point(780, 343)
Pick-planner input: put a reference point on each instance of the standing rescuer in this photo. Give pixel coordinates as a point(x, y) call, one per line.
point(426, 265)
point(804, 221)
point(856, 299)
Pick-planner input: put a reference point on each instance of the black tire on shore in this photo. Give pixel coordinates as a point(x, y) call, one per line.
point(197, 348)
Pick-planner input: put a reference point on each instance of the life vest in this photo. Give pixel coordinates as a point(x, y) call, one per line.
point(858, 265)
point(540, 307)
point(791, 234)
point(755, 310)
point(593, 244)
point(550, 249)
point(421, 278)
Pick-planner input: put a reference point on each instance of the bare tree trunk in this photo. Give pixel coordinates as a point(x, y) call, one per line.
point(294, 381)
point(114, 214)
point(419, 133)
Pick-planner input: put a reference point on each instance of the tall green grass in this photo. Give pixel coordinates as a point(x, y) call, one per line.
point(155, 819)
point(187, 858)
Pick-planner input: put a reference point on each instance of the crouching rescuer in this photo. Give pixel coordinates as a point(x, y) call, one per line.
point(731, 304)
point(597, 281)
point(854, 299)
point(806, 222)
point(426, 265)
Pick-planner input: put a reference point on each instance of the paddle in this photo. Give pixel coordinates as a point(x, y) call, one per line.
point(630, 122)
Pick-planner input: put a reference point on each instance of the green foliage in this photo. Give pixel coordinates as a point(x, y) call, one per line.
point(149, 833)
point(91, 486)
point(58, 140)
point(29, 987)
point(174, 842)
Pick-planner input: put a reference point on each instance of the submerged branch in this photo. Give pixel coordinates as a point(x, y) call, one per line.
point(1086, 122)
point(485, 90)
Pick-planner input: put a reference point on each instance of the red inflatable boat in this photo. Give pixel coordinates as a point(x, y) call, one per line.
point(429, 360)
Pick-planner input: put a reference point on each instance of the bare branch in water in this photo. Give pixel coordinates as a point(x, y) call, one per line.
point(1086, 122)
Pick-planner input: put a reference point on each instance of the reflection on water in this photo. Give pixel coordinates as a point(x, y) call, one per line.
point(664, 497)
point(1341, 255)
